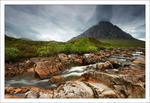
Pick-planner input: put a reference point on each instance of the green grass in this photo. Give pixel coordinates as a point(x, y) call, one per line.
point(17, 49)
point(116, 43)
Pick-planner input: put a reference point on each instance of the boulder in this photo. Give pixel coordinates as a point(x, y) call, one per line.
point(44, 69)
point(41, 70)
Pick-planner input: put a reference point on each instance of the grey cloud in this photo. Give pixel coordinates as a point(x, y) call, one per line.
point(62, 22)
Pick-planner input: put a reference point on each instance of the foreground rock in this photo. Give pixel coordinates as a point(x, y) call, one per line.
point(139, 61)
point(12, 70)
point(129, 86)
point(76, 89)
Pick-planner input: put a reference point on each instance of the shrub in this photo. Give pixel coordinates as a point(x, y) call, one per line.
point(11, 54)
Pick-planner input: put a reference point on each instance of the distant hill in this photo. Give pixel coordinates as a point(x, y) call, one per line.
point(105, 30)
point(26, 39)
point(11, 38)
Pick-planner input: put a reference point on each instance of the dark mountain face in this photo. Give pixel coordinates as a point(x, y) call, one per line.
point(105, 30)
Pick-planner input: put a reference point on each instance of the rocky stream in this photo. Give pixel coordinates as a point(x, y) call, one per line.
point(117, 73)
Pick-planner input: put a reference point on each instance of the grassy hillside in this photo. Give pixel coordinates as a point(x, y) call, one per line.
point(119, 43)
point(17, 49)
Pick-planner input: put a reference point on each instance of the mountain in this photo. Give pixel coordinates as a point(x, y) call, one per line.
point(105, 30)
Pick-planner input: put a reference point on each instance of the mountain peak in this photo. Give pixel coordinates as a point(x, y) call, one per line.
point(105, 22)
point(105, 30)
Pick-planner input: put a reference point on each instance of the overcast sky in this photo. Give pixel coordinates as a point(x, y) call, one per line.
point(62, 22)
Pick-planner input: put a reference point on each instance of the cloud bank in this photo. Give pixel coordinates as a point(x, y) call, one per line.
point(62, 22)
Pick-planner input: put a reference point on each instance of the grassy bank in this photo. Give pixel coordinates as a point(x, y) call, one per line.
point(17, 49)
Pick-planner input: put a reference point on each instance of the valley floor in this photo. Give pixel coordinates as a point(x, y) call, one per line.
point(117, 73)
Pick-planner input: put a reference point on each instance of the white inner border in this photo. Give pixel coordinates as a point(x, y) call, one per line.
point(147, 5)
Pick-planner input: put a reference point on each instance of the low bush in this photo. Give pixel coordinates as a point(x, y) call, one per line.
point(11, 54)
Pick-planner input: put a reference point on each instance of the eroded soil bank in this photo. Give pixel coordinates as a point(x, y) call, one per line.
point(117, 73)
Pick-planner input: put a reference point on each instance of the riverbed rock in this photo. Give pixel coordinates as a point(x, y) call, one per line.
point(10, 96)
point(55, 79)
point(63, 57)
point(124, 84)
point(46, 68)
point(73, 89)
point(42, 70)
point(90, 58)
point(9, 90)
point(100, 66)
point(15, 69)
point(32, 94)
point(139, 61)
point(18, 90)
point(107, 65)
point(115, 64)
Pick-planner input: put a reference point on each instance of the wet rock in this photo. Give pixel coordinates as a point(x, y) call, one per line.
point(73, 89)
point(100, 66)
point(55, 79)
point(10, 96)
point(32, 94)
point(124, 84)
point(12, 70)
point(30, 70)
point(101, 90)
point(42, 70)
point(91, 58)
point(73, 56)
point(139, 61)
point(45, 68)
point(70, 89)
point(9, 90)
point(128, 54)
point(89, 67)
point(79, 61)
point(15, 90)
point(45, 95)
point(18, 90)
point(115, 64)
point(63, 57)
point(107, 65)
point(38, 94)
